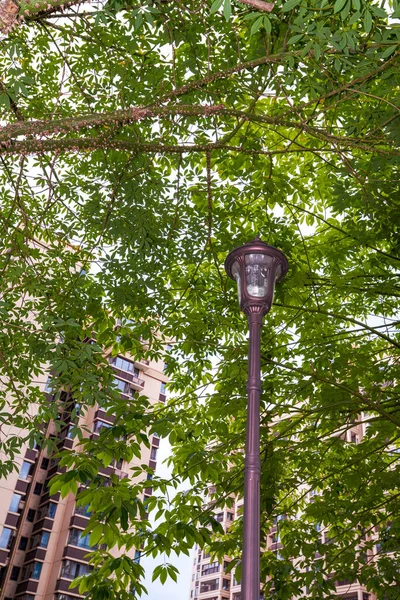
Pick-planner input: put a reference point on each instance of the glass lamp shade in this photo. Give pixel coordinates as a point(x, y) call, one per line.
point(256, 267)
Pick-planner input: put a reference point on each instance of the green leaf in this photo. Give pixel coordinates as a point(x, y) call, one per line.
point(267, 24)
point(96, 534)
point(227, 9)
point(379, 11)
point(5, 100)
point(339, 5)
point(367, 21)
point(389, 51)
point(355, 18)
point(317, 51)
point(295, 38)
point(216, 5)
point(256, 25)
point(290, 4)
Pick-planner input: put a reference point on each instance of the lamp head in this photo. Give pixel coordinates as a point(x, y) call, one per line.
point(256, 267)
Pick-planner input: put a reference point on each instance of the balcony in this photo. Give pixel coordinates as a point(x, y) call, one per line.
point(141, 363)
point(75, 553)
point(12, 519)
point(46, 497)
point(43, 523)
point(132, 378)
point(27, 586)
point(31, 454)
point(102, 415)
point(78, 521)
point(63, 585)
point(137, 383)
point(35, 554)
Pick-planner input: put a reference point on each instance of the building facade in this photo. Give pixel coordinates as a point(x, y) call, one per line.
point(42, 546)
point(211, 581)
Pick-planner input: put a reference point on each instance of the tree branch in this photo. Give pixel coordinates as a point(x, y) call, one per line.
point(13, 13)
point(259, 5)
point(59, 146)
point(124, 117)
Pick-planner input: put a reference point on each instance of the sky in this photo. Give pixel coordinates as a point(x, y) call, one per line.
point(170, 590)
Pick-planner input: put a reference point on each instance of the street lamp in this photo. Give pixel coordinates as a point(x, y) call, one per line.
point(256, 267)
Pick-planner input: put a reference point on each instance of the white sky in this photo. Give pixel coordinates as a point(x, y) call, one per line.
point(170, 590)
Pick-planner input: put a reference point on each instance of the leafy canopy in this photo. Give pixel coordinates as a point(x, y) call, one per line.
point(154, 137)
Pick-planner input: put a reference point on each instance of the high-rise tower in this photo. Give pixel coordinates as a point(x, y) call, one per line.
point(42, 547)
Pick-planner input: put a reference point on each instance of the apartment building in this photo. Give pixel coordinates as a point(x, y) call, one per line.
point(42, 546)
point(211, 581)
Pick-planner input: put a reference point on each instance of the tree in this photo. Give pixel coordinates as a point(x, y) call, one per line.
point(155, 137)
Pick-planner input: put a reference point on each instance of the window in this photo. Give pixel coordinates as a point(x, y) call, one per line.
point(123, 386)
point(31, 571)
point(279, 518)
point(77, 539)
point(69, 433)
point(45, 463)
point(15, 573)
point(83, 510)
point(6, 538)
point(219, 517)
point(14, 505)
point(209, 586)
point(275, 538)
point(30, 515)
point(117, 464)
point(26, 470)
point(34, 543)
point(210, 568)
point(229, 516)
point(153, 453)
point(99, 425)
point(48, 387)
point(41, 540)
point(163, 390)
point(123, 364)
point(71, 569)
point(23, 542)
point(38, 489)
point(354, 438)
point(138, 555)
point(44, 540)
point(226, 584)
point(37, 569)
point(48, 510)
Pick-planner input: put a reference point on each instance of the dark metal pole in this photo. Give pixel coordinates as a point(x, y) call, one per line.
point(252, 469)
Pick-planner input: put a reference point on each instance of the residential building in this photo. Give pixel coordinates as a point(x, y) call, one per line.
point(211, 581)
point(42, 546)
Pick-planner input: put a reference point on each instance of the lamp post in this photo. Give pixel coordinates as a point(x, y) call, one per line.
point(256, 267)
